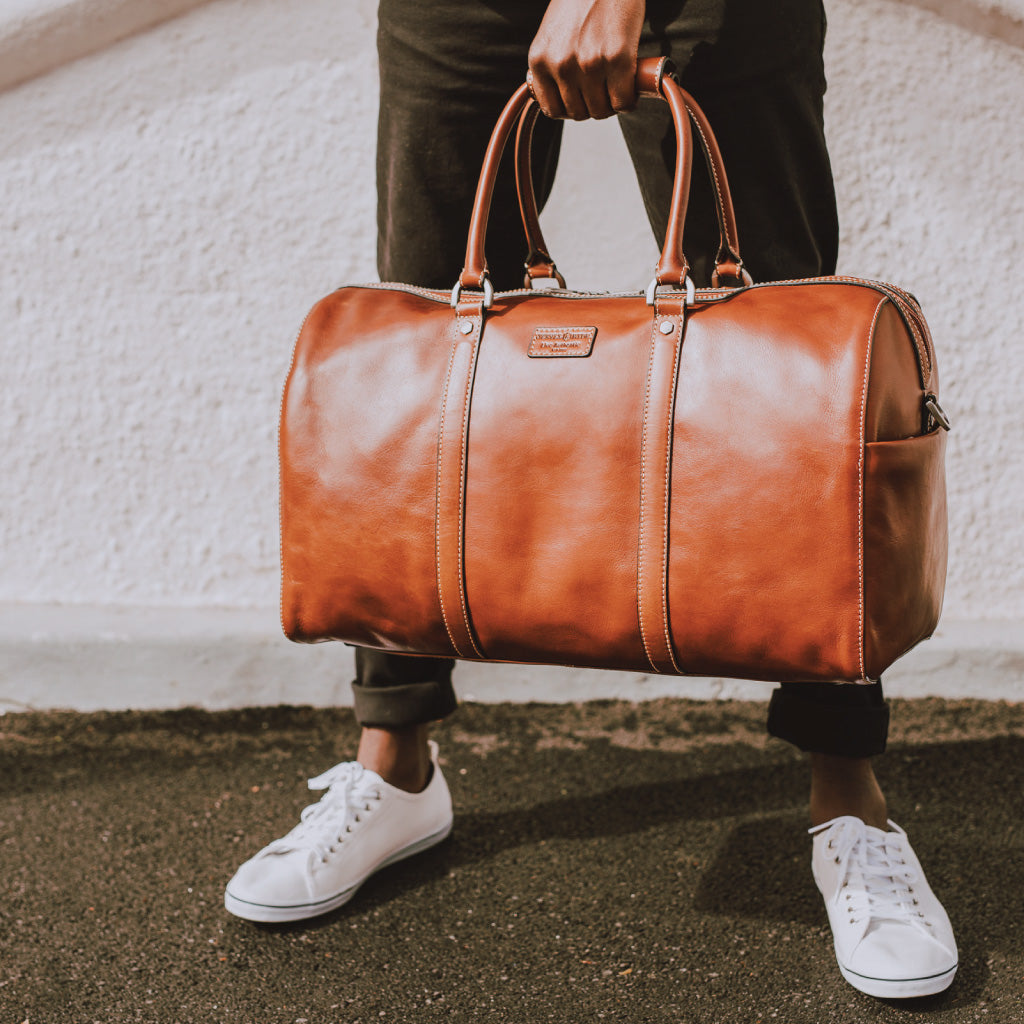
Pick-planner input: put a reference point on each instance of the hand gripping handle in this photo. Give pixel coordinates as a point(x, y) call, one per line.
point(653, 79)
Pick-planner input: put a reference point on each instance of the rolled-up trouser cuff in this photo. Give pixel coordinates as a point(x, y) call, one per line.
point(398, 707)
point(842, 719)
point(394, 691)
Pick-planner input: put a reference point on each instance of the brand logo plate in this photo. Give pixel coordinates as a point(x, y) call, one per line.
point(560, 342)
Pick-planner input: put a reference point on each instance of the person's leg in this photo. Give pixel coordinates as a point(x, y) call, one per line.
point(396, 698)
point(841, 726)
point(756, 69)
point(846, 786)
point(757, 72)
point(892, 936)
point(446, 71)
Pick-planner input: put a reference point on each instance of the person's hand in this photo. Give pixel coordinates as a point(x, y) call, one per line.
point(583, 59)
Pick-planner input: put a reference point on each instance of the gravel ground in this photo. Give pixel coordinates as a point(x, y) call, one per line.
point(610, 861)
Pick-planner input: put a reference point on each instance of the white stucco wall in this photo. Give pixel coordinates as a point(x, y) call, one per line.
point(37, 36)
point(172, 203)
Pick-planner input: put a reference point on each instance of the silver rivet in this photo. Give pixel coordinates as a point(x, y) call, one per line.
point(465, 327)
point(666, 327)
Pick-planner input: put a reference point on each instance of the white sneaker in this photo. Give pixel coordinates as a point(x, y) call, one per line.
point(360, 825)
point(892, 937)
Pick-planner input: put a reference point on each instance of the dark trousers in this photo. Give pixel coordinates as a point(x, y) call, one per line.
point(446, 70)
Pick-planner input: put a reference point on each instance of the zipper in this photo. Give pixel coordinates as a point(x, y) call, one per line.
point(905, 303)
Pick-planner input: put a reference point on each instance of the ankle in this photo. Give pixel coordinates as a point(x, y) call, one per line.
point(401, 757)
point(846, 786)
point(870, 812)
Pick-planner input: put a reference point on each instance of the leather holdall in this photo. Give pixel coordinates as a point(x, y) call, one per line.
point(743, 481)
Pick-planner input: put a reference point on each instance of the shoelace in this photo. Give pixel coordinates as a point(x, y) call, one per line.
point(325, 825)
point(875, 880)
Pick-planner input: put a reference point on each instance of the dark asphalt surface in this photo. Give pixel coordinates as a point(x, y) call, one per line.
point(610, 861)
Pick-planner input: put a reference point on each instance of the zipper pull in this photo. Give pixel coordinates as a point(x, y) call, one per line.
point(935, 414)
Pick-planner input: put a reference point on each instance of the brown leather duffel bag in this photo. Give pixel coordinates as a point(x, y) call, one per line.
point(739, 481)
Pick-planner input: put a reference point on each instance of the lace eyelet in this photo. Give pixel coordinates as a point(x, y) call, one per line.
point(837, 860)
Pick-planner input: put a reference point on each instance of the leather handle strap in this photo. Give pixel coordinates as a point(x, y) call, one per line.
point(474, 270)
point(538, 260)
point(728, 264)
point(653, 79)
point(673, 268)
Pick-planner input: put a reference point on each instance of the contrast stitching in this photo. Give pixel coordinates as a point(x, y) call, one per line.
point(668, 477)
point(437, 504)
point(643, 489)
point(462, 483)
point(896, 294)
point(714, 174)
point(444, 298)
point(919, 342)
point(529, 166)
point(860, 490)
point(920, 335)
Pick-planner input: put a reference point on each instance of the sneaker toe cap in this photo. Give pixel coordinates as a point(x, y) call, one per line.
point(279, 879)
point(896, 952)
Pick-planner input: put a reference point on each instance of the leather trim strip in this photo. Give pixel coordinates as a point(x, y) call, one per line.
point(861, 462)
point(656, 488)
point(450, 511)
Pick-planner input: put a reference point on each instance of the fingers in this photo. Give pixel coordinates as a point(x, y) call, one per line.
point(583, 58)
point(579, 89)
point(593, 86)
point(621, 83)
point(546, 92)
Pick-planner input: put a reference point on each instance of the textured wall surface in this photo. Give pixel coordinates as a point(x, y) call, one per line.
point(37, 36)
point(171, 205)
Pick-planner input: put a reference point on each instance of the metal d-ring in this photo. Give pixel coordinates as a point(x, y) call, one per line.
point(488, 290)
point(691, 291)
point(555, 276)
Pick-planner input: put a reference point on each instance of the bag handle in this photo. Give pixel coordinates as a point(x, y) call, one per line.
point(729, 270)
point(653, 79)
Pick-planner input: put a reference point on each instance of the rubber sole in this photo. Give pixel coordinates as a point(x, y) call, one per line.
point(269, 914)
point(906, 988)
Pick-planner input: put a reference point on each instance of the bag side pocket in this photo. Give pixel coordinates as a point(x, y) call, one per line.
point(905, 545)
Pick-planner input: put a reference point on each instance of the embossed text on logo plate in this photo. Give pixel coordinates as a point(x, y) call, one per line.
point(552, 342)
